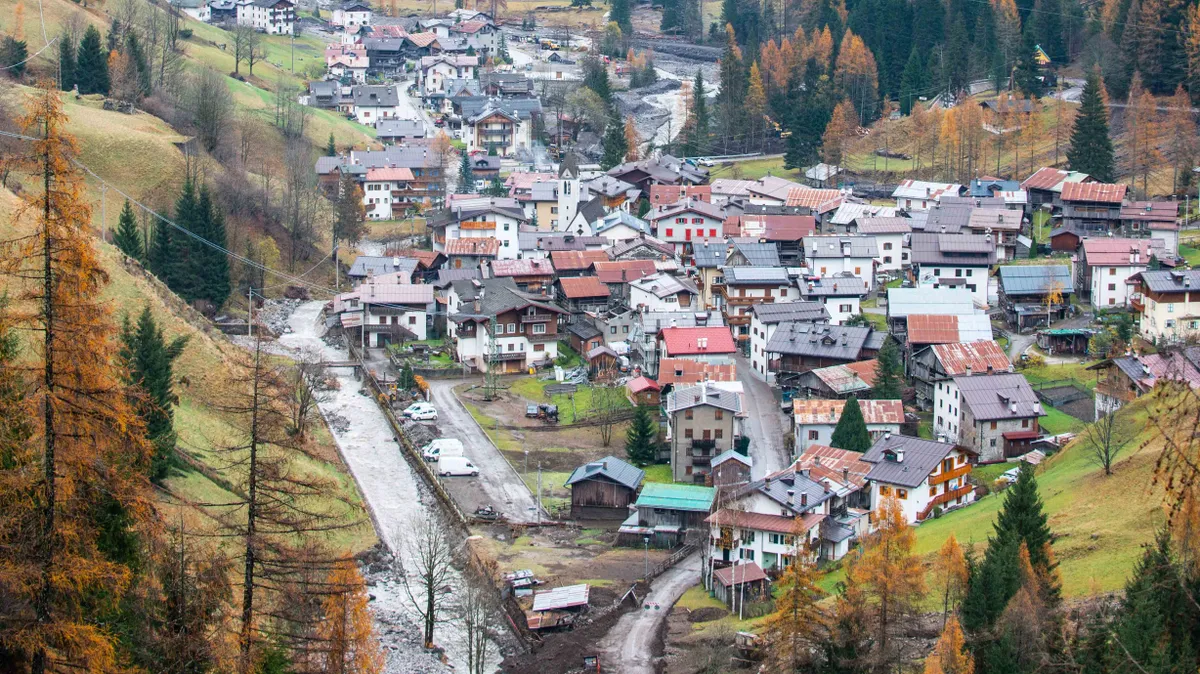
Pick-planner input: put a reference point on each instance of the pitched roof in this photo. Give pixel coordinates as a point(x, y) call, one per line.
point(1151, 211)
point(817, 199)
point(623, 271)
point(976, 356)
point(678, 371)
point(1101, 252)
point(747, 572)
point(496, 296)
point(728, 517)
point(1146, 370)
point(999, 396)
point(524, 267)
point(758, 254)
point(486, 246)
point(366, 265)
point(903, 302)
point(574, 260)
point(1186, 280)
point(779, 312)
point(843, 379)
point(697, 341)
point(606, 221)
point(841, 342)
point(676, 497)
point(936, 248)
point(809, 411)
point(661, 195)
point(369, 95)
point(921, 189)
point(840, 246)
point(664, 285)
point(731, 455)
point(849, 212)
point(709, 254)
point(774, 276)
point(561, 597)
point(642, 384)
point(1097, 192)
point(610, 467)
point(523, 181)
point(688, 205)
point(833, 286)
point(371, 292)
point(917, 459)
point(625, 247)
point(943, 329)
point(1052, 179)
point(1034, 279)
point(1000, 219)
point(820, 458)
point(884, 225)
point(583, 286)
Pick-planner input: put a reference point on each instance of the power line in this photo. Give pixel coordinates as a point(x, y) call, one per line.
point(31, 57)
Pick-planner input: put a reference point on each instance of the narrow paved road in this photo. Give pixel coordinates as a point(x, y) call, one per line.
point(629, 646)
point(763, 423)
point(498, 483)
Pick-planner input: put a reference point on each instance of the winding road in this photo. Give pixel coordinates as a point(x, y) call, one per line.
point(629, 645)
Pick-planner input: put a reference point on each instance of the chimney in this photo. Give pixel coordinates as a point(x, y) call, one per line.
point(969, 370)
point(1012, 407)
point(477, 308)
point(846, 475)
point(989, 368)
point(803, 499)
point(791, 494)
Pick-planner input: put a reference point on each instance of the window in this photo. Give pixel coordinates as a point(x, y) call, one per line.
point(553, 211)
point(901, 494)
point(670, 232)
point(1112, 271)
point(747, 537)
point(1170, 308)
point(625, 329)
point(1170, 323)
point(858, 270)
point(887, 246)
point(539, 347)
point(539, 328)
point(933, 491)
point(712, 233)
point(993, 425)
point(512, 328)
point(813, 435)
point(512, 347)
point(746, 554)
point(412, 320)
point(992, 442)
point(1113, 300)
point(719, 433)
point(719, 415)
point(612, 330)
point(688, 413)
point(687, 433)
point(707, 434)
point(697, 221)
point(937, 272)
point(962, 459)
point(1024, 423)
point(845, 308)
point(1112, 286)
point(887, 259)
point(885, 490)
point(958, 273)
point(506, 226)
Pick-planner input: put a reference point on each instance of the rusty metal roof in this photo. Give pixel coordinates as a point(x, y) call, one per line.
point(584, 286)
point(818, 411)
point(561, 597)
point(977, 357)
point(1108, 193)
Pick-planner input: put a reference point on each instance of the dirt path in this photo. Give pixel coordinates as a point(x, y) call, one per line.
point(763, 423)
point(498, 483)
point(629, 646)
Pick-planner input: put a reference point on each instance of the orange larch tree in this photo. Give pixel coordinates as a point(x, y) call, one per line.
point(351, 644)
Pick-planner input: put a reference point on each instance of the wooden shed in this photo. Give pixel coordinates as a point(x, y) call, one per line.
point(740, 582)
point(643, 391)
point(730, 471)
point(603, 489)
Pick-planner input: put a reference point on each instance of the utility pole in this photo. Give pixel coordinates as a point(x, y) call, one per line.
point(539, 495)
point(292, 48)
point(491, 377)
point(103, 211)
point(250, 312)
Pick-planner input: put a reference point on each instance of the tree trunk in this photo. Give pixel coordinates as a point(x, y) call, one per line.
point(244, 639)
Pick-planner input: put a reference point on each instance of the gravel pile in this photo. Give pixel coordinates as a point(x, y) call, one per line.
point(275, 315)
point(399, 636)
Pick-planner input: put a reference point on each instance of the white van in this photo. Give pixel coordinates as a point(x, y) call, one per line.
point(456, 465)
point(442, 447)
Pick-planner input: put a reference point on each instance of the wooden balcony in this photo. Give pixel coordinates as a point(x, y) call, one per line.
point(947, 476)
point(942, 499)
point(536, 318)
point(1138, 302)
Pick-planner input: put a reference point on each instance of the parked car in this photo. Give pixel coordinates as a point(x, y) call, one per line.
point(531, 411)
point(442, 447)
point(419, 408)
point(1010, 476)
point(453, 466)
point(707, 162)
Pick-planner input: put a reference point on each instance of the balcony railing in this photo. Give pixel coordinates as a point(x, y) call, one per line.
point(507, 355)
point(706, 445)
point(946, 476)
point(944, 498)
point(536, 318)
point(1138, 302)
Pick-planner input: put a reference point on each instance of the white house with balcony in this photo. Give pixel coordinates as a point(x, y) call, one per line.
point(839, 255)
point(387, 192)
point(922, 475)
point(388, 309)
point(351, 16)
point(273, 17)
point(434, 72)
point(497, 130)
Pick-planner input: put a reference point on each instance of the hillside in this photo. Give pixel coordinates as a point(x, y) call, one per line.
point(203, 373)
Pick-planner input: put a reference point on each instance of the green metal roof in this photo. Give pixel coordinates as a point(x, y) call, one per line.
point(676, 496)
point(1067, 331)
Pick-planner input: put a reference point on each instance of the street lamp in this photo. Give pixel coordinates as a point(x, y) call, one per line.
point(646, 557)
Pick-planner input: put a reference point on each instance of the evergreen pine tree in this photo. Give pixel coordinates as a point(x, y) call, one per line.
point(112, 42)
point(731, 94)
point(619, 14)
point(641, 438)
point(502, 49)
point(137, 55)
point(889, 373)
point(696, 139)
point(851, 430)
point(614, 142)
point(13, 56)
point(1091, 148)
point(215, 275)
point(179, 267)
point(91, 69)
point(150, 360)
point(1153, 623)
point(466, 174)
point(66, 63)
point(330, 146)
point(496, 188)
point(127, 237)
point(158, 250)
point(912, 81)
point(595, 77)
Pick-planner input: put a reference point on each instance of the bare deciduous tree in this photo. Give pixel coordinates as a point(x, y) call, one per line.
point(1106, 437)
point(306, 378)
point(243, 37)
point(428, 556)
point(607, 402)
point(476, 612)
point(211, 107)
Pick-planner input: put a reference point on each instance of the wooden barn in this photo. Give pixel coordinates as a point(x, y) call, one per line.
point(643, 391)
point(604, 489)
point(730, 471)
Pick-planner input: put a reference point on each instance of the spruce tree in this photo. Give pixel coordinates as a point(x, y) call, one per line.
point(127, 237)
point(178, 270)
point(13, 56)
point(696, 138)
point(614, 142)
point(641, 438)
point(1153, 623)
point(133, 48)
point(466, 174)
point(502, 49)
point(150, 359)
point(912, 81)
point(595, 77)
point(91, 69)
point(619, 14)
point(158, 250)
point(1091, 148)
point(330, 146)
point(66, 63)
point(215, 275)
point(889, 373)
point(851, 430)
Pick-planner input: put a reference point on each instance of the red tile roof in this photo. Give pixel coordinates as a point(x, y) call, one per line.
point(611, 272)
point(487, 246)
point(583, 286)
point(1115, 252)
point(760, 522)
point(978, 356)
point(642, 384)
point(422, 39)
point(390, 173)
point(425, 258)
point(740, 573)
point(662, 195)
point(469, 26)
point(687, 371)
point(811, 198)
point(575, 260)
point(929, 329)
point(824, 462)
point(1102, 192)
point(697, 341)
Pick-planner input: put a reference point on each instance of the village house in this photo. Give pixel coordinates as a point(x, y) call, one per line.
point(1168, 304)
point(684, 371)
point(1002, 225)
point(1154, 220)
point(934, 365)
point(1092, 207)
point(351, 16)
point(772, 190)
point(764, 318)
point(583, 336)
point(666, 515)
point(582, 293)
point(1123, 379)
point(834, 255)
point(273, 17)
point(922, 475)
point(841, 295)
point(703, 344)
point(702, 422)
point(730, 472)
point(604, 489)
point(643, 247)
point(684, 221)
point(662, 170)
point(373, 102)
point(388, 193)
point(748, 287)
point(643, 392)
point(663, 292)
point(903, 302)
point(483, 217)
point(570, 263)
point(535, 276)
point(614, 193)
point(953, 261)
point(498, 128)
point(388, 310)
point(891, 235)
point(435, 72)
point(617, 275)
point(665, 195)
point(1107, 265)
point(708, 260)
point(842, 220)
point(852, 380)
point(919, 195)
point(928, 329)
point(620, 226)
point(427, 171)
point(643, 338)
point(997, 415)
point(814, 419)
point(796, 348)
point(1045, 187)
point(745, 252)
point(1035, 295)
point(492, 320)
point(399, 130)
point(351, 64)
point(367, 266)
